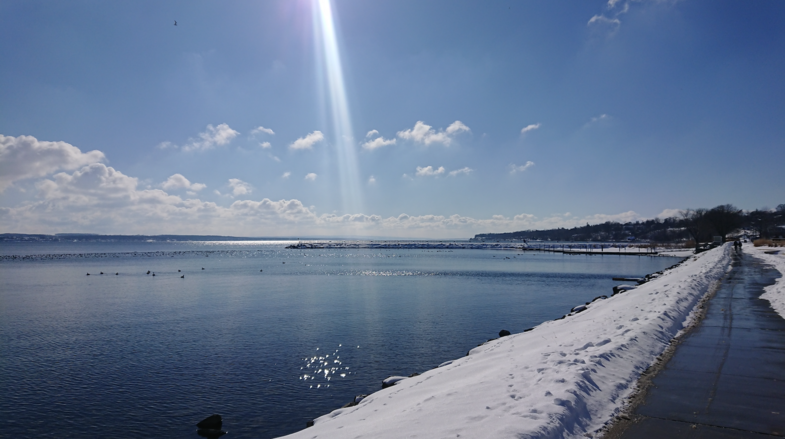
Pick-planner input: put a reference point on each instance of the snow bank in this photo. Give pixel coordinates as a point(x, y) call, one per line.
point(565, 378)
point(775, 294)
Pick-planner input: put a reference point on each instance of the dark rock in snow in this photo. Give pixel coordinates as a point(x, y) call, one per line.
point(212, 422)
point(504, 333)
point(578, 309)
point(309, 424)
point(391, 381)
point(622, 288)
point(357, 400)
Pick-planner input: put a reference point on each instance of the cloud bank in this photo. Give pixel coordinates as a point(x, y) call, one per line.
point(26, 157)
point(98, 198)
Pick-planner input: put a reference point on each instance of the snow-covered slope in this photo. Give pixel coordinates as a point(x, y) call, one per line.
point(565, 378)
point(775, 256)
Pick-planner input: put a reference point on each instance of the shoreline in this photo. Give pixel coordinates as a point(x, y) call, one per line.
point(565, 378)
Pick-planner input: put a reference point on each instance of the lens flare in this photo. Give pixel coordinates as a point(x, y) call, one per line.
point(332, 74)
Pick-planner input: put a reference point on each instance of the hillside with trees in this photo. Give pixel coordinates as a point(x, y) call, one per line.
point(698, 225)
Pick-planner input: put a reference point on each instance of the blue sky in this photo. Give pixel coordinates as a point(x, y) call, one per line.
point(433, 119)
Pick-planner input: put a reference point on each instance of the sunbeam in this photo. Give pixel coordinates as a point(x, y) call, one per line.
point(343, 139)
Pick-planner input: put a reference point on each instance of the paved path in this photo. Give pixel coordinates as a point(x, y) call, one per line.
point(727, 378)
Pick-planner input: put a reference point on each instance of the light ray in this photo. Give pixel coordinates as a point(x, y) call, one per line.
point(343, 139)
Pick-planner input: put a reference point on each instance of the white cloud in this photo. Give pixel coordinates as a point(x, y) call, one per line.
point(530, 127)
point(275, 157)
point(212, 137)
point(465, 170)
point(372, 133)
point(261, 129)
point(457, 127)
point(308, 141)
point(428, 171)
point(603, 118)
point(26, 157)
point(101, 199)
point(515, 168)
point(166, 145)
point(426, 135)
point(669, 213)
point(377, 143)
point(311, 176)
point(265, 145)
point(371, 180)
point(178, 181)
point(286, 175)
point(601, 20)
point(239, 187)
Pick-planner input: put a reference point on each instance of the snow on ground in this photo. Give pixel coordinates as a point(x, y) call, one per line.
point(564, 378)
point(679, 253)
point(775, 256)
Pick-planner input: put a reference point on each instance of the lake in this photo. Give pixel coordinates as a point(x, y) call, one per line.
point(268, 337)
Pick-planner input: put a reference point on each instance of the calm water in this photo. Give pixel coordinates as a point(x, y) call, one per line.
point(136, 355)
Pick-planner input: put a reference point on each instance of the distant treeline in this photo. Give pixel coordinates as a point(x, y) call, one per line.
point(698, 225)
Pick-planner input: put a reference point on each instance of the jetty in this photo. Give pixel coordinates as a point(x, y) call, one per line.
point(621, 249)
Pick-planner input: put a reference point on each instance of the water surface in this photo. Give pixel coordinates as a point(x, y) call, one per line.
point(267, 337)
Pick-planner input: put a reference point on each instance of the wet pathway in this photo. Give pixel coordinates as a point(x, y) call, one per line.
point(727, 378)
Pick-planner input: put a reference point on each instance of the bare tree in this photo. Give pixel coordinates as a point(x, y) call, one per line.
point(695, 223)
point(724, 219)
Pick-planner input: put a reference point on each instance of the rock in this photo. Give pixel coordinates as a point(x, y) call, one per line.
point(391, 381)
point(309, 424)
point(213, 422)
point(527, 330)
point(578, 309)
point(622, 288)
point(603, 297)
point(504, 333)
point(357, 399)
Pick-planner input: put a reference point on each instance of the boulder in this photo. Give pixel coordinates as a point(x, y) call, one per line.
point(391, 381)
point(578, 309)
point(622, 288)
point(504, 333)
point(213, 422)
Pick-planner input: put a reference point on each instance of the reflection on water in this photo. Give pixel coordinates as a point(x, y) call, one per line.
point(267, 345)
point(323, 368)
